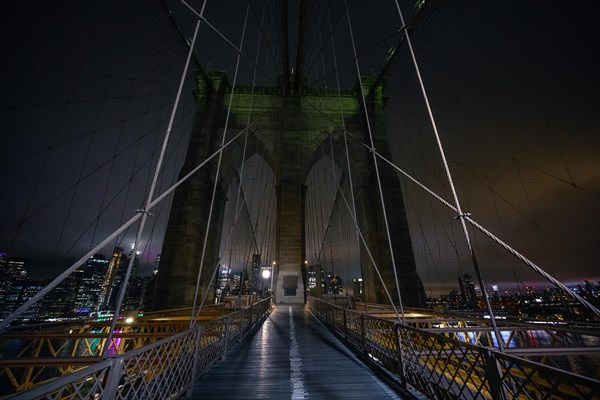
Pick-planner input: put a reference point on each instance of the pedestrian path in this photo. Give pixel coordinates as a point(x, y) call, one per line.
point(291, 357)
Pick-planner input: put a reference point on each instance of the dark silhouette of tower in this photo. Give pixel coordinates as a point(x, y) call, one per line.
point(291, 133)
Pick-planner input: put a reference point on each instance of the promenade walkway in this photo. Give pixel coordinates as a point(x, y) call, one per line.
point(291, 356)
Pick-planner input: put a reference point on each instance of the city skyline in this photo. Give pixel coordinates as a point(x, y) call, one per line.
point(91, 292)
point(504, 287)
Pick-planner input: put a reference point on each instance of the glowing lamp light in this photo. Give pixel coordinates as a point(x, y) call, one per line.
point(128, 320)
point(266, 274)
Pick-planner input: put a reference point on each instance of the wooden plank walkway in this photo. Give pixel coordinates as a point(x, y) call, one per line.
point(291, 357)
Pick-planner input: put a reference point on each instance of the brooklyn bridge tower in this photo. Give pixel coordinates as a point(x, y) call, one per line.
point(291, 126)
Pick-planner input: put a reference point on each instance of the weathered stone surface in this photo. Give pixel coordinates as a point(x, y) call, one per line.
point(291, 133)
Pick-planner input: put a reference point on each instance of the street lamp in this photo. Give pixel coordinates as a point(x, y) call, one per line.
point(266, 274)
point(272, 275)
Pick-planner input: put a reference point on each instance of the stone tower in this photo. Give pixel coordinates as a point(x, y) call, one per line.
point(291, 132)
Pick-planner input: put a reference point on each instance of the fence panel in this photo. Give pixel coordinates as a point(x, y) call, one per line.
point(164, 369)
point(443, 367)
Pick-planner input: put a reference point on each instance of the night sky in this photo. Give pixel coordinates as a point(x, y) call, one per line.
point(88, 88)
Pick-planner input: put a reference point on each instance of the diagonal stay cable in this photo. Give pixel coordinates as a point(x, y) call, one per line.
point(88, 174)
point(229, 42)
point(486, 232)
point(377, 175)
point(461, 215)
point(144, 211)
point(4, 323)
point(218, 170)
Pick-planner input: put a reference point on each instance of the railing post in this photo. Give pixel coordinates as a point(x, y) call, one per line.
point(197, 349)
point(241, 324)
point(362, 333)
point(114, 376)
point(226, 335)
point(345, 325)
point(333, 319)
point(493, 374)
point(400, 361)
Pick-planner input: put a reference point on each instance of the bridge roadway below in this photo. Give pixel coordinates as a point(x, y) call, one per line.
point(292, 356)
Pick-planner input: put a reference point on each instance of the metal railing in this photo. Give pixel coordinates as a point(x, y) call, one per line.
point(442, 367)
point(165, 369)
point(574, 347)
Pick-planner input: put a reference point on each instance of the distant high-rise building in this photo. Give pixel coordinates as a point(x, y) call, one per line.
point(223, 283)
point(334, 284)
point(11, 270)
point(30, 288)
point(314, 280)
point(495, 291)
point(135, 298)
point(60, 301)
point(91, 279)
point(156, 264)
point(236, 284)
point(108, 285)
point(152, 285)
point(358, 287)
point(452, 299)
point(13, 278)
point(16, 288)
point(467, 290)
point(255, 281)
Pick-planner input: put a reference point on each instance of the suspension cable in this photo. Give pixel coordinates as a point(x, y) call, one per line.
point(343, 118)
point(380, 189)
point(493, 237)
point(144, 212)
point(370, 255)
point(461, 215)
point(4, 323)
point(218, 171)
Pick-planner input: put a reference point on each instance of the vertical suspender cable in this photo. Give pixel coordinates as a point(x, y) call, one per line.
point(241, 175)
point(387, 229)
point(237, 210)
point(218, 171)
point(145, 211)
point(461, 216)
point(348, 167)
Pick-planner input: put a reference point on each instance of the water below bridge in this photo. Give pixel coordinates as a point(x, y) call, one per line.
point(292, 356)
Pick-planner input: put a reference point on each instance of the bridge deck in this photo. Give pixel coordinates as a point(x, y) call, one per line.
point(292, 356)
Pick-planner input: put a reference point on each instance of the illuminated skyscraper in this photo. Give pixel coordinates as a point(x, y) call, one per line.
point(156, 264)
point(467, 290)
point(108, 285)
point(255, 280)
point(92, 275)
point(358, 288)
point(16, 288)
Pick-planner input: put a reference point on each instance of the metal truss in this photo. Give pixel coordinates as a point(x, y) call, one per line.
point(151, 360)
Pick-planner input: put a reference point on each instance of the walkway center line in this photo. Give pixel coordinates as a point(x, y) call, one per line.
point(296, 374)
